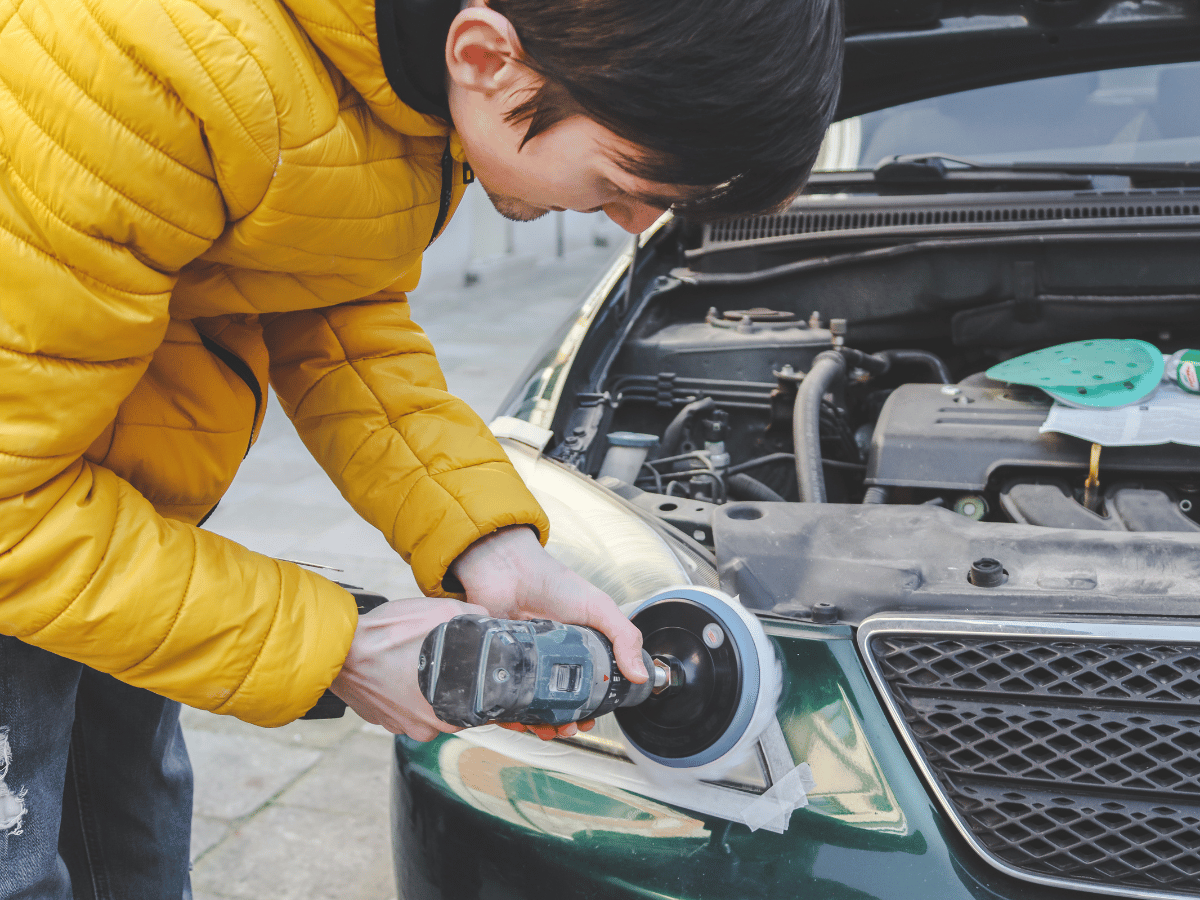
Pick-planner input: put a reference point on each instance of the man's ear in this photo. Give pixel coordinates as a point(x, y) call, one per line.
point(483, 52)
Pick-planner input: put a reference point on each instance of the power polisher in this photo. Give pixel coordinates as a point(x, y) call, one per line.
point(714, 678)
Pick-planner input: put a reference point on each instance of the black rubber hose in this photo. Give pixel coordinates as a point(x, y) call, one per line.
point(761, 461)
point(743, 487)
point(931, 361)
point(668, 444)
point(875, 363)
point(827, 369)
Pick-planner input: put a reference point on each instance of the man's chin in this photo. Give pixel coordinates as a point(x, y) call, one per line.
point(516, 210)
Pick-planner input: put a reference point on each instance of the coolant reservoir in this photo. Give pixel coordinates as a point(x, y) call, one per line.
point(626, 452)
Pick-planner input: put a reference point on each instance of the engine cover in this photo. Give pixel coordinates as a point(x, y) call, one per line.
point(716, 348)
point(957, 437)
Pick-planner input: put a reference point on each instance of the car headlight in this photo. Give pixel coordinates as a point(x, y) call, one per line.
point(622, 551)
point(612, 544)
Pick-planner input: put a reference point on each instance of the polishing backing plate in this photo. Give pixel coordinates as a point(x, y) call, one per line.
point(727, 683)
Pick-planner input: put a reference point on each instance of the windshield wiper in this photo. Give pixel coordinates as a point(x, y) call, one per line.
point(926, 168)
point(945, 172)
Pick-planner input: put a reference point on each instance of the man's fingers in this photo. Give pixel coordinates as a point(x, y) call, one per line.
point(420, 733)
point(545, 732)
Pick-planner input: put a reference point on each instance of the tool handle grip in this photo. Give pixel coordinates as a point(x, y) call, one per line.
point(477, 669)
point(330, 705)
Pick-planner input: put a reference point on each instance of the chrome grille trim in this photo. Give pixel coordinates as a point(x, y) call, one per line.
point(1173, 818)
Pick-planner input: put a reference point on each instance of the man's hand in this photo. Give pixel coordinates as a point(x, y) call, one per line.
point(512, 577)
point(379, 678)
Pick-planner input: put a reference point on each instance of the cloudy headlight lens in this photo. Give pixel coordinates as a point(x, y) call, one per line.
point(594, 533)
point(626, 554)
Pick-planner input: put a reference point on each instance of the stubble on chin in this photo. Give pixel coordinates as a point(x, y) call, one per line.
point(515, 210)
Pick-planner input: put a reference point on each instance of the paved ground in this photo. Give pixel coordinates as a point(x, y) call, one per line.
point(301, 811)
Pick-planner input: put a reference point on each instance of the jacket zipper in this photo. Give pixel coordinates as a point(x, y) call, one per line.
point(447, 192)
point(238, 366)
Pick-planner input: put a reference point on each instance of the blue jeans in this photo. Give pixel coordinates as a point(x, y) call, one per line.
point(96, 793)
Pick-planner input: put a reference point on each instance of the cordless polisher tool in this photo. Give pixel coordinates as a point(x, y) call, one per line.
point(714, 678)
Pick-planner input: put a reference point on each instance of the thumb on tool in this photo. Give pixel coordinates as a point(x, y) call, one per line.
point(626, 639)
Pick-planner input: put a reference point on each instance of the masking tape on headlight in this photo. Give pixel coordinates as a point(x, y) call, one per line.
point(769, 811)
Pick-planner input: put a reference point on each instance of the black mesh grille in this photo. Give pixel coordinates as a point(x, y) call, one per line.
point(1071, 759)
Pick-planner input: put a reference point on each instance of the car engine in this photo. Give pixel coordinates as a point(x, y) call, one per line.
point(762, 404)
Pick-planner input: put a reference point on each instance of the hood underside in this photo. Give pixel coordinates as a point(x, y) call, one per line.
point(903, 50)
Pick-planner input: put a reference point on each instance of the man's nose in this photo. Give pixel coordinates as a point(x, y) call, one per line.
point(633, 216)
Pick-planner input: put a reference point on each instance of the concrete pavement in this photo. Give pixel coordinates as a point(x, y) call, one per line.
point(301, 811)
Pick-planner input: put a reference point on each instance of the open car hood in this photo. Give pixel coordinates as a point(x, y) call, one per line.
point(903, 50)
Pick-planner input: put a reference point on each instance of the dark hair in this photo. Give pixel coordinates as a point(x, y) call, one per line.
point(729, 96)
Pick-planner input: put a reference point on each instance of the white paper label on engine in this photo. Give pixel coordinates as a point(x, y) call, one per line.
point(1168, 416)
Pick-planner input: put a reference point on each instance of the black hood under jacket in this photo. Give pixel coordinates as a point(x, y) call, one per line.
point(412, 44)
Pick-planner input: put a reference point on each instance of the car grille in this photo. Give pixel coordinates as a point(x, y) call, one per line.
point(1065, 757)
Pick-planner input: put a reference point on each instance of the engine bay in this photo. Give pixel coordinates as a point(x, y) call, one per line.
point(732, 401)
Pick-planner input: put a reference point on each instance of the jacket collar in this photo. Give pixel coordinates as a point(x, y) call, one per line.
point(412, 42)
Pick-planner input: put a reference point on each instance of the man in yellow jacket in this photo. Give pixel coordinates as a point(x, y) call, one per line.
point(199, 198)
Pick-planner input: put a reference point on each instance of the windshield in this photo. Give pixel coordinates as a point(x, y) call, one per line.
point(1144, 114)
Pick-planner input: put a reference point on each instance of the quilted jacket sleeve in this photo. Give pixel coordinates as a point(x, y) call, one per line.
point(363, 386)
point(104, 195)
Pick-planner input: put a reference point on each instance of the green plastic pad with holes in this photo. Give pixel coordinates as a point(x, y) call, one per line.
point(1102, 373)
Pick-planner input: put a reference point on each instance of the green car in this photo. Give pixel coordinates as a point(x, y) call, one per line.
point(984, 601)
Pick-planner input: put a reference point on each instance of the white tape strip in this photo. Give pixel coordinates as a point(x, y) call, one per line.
point(770, 811)
point(773, 810)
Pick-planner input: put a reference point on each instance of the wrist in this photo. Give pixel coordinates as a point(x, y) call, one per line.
point(495, 557)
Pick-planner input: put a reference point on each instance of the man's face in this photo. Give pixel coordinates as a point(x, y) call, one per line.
point(573, 165)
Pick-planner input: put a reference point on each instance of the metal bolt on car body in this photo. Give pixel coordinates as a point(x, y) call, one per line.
point(1185, 505)
point(987, 572)
point(837, 328)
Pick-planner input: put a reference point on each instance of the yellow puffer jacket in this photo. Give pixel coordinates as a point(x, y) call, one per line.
point(196, 196)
